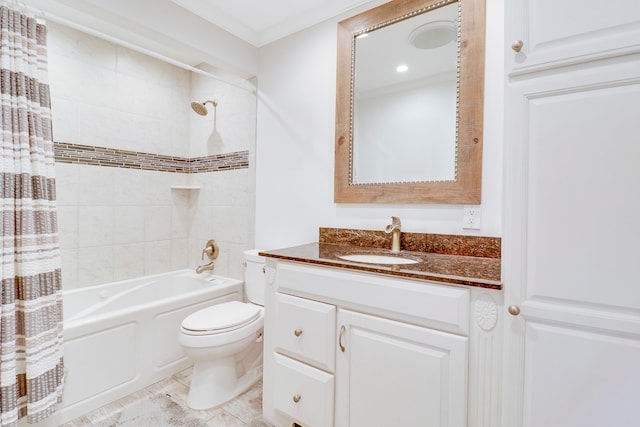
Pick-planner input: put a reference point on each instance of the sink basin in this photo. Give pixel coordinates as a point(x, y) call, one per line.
point(378, 259)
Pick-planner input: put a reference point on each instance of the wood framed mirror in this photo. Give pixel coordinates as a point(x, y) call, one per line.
point(397, 142)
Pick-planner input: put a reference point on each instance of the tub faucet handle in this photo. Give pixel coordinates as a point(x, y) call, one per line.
point(211, 250)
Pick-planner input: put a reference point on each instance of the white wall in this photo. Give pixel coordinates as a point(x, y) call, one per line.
point(406, 133)
point(118, 223)
point(295, 142)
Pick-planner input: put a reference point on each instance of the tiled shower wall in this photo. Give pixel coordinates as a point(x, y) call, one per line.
point(123, 222)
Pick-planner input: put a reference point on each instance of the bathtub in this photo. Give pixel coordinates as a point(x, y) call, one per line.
point(121, 337)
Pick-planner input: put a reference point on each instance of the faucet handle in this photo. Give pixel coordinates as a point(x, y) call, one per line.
point(211, 250)
point(395, 225)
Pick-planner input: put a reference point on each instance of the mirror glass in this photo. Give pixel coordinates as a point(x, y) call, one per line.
point(409, 103)
point(404, 100)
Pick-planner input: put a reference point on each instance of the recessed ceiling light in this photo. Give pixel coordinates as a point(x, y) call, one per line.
point(402, 68)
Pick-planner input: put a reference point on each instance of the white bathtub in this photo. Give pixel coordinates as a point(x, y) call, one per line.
point(121, 337)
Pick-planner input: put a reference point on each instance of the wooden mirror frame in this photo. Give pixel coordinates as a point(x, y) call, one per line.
point(466, 188)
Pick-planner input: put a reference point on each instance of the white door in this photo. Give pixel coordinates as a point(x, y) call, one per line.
point(394, 374)
point(571, 246)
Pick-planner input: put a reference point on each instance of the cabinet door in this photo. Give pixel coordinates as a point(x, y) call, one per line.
point(570, 248)
point(395, 374)
point(563, 32)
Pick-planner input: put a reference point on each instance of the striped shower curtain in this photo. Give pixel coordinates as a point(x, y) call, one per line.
point(31, 366)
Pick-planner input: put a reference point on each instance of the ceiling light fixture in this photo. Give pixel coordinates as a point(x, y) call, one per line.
point(433, 35)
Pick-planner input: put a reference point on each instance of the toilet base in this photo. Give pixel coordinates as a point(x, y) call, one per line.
point(215, 383)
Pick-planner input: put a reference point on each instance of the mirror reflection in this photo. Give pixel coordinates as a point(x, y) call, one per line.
point(405, 90)
point(426, 151)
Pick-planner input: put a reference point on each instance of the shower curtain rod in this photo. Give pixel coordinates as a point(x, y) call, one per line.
point(140, 49)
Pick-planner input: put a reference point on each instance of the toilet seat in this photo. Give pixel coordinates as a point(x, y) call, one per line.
point(221, 318)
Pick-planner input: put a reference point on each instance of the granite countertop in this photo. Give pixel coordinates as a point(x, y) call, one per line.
point(448, 268)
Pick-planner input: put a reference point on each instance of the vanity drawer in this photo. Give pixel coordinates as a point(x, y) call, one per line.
point(306, 330)
point(303, 393)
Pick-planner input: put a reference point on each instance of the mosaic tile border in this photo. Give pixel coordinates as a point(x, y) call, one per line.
point(112, 157)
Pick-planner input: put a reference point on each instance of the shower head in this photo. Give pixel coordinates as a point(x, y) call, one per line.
point(200, 107)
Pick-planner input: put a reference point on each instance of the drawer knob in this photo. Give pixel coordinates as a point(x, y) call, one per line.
point(296, 398)
point(297, 332)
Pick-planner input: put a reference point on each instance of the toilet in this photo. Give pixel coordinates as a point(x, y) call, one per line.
point(225, 342)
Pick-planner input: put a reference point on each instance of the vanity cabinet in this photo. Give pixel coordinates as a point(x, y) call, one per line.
point(392, 373)
point(572, 335)
point(350, 349)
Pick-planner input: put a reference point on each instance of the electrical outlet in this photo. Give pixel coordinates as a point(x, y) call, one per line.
point(471, 218)
point(474, 211)
point(471, 223)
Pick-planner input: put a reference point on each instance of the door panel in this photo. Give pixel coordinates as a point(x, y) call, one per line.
point(579, 378)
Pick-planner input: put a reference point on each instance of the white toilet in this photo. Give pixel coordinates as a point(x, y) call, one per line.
point(225, 342)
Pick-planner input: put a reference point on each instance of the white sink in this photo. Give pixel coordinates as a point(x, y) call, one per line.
point(378, 259)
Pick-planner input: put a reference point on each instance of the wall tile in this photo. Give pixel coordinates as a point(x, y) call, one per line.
point(64, 113)
point(157, 223)
point(68, 227)
point(95, 186)
point(129, 187)
point(128, 224)
point(95, 226)
point(179, 254)
point(69, 268)
point(129, 261)
point(95, 265)
point(157, 257)
point(66, 184)
point(125, 133)
point(180, 216)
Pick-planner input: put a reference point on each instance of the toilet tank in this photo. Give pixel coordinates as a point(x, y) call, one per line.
point(254, 283)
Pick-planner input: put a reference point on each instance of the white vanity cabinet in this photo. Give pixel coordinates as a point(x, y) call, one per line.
point(350, 349)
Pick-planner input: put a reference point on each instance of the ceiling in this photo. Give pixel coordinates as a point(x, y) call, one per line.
point(260, 22)
point(225, 34)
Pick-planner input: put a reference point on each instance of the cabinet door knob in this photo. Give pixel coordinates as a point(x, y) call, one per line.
point(514, 310)
point(297, 332)
point(342, 331)
point(517, 45)
point(296, 398)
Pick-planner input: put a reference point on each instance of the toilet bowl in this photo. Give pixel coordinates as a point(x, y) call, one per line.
point(225, 342)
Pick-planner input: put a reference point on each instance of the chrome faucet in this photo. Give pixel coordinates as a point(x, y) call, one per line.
point(211, 251)
point(395, 229)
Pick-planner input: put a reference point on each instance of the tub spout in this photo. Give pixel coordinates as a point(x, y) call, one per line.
point(205, 267)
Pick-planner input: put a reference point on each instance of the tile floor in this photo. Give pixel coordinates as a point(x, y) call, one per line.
point(239, 412)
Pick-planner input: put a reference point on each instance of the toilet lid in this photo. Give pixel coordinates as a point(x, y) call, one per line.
point(222, 317)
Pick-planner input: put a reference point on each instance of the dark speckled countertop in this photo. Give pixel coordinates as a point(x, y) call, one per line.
point(459, 260)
